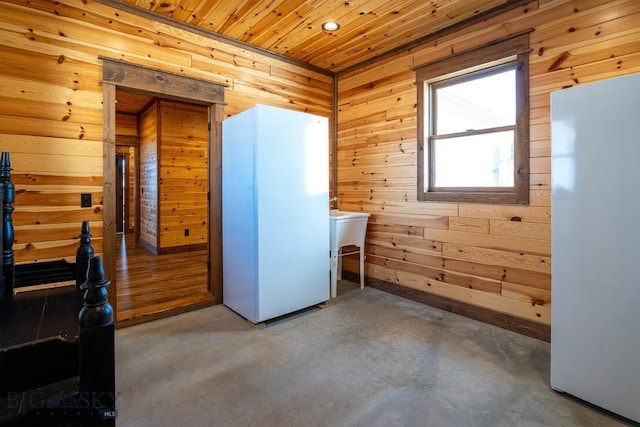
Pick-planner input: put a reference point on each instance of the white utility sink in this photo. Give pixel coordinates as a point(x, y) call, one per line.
point(347, 228)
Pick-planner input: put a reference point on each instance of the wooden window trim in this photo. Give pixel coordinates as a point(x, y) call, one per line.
point(480, 58)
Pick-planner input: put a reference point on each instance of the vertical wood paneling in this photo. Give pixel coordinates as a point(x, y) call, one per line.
point(507, 245)
point(149, 218)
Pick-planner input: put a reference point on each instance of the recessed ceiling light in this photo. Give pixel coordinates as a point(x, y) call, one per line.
point(330, 26)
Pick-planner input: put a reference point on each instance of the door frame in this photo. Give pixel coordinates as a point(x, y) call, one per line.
point(120, 74)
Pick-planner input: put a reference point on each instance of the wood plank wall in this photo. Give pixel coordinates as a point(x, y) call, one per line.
point(493, 256)
point(149, 136)
point(183, 174)
point(126, 124)
point(51, 121)
point(51, 112)
point(174, 166)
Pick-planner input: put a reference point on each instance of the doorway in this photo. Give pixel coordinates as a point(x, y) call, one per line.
point(163, 265)
point(119, 76)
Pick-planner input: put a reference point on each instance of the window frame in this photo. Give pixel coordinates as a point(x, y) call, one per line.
point(480, 60)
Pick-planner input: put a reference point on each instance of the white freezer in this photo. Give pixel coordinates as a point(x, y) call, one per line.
point(595, 327)
point(275, 205)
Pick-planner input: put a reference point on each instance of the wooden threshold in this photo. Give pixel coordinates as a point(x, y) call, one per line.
point(132, 317)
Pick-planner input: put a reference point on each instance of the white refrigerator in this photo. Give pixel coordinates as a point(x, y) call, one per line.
point(595, 326)
point(275, 212)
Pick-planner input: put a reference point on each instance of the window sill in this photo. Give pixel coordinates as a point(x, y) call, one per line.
point(507, 198)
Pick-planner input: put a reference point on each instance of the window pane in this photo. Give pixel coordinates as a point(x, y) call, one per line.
point(482, 103)
point(484, 160)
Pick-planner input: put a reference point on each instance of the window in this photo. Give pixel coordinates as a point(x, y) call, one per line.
point(473, 125)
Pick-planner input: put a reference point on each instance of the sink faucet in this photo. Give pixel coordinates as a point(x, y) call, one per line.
point(333, 203)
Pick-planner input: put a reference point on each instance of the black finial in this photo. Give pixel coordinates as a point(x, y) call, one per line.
point(96, 310)
point(83, 254)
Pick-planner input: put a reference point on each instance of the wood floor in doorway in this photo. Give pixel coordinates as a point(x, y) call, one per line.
point(151, 286)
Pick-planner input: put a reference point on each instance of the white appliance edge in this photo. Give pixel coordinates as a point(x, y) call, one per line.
point(595, 327)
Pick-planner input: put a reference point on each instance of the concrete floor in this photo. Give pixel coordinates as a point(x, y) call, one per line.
point(368, 359)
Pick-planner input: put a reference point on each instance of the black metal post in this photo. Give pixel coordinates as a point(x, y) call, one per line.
point(97, 348)
point(7, 190)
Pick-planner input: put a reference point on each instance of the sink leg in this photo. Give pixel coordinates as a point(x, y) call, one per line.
point(334, 277)
point(362, 267)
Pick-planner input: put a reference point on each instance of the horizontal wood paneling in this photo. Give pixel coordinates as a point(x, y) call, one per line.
point(50, 59)
point(507, 246)
point(51, 105)
point(126, 124)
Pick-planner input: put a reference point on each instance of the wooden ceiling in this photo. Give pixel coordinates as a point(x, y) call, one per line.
point(292, 28)
point(131, 102)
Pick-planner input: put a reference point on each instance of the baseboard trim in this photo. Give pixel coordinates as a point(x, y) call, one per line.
point(183, 248)
point(505, 321)
point(172, 249)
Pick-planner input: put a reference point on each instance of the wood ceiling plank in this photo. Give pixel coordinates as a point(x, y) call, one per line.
point(212, 12)
point(270, 23)
point(355, 21)
point(186, 9)
point(369, 28)
point(360, 25)
point(246, 21)
point(305, 28)
point(412, 22)
point(145, 4)
point(456, 11)
point(304, 43)
point(285, 25)
point(165, 7)
point(131, 102)
point(237, 17)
